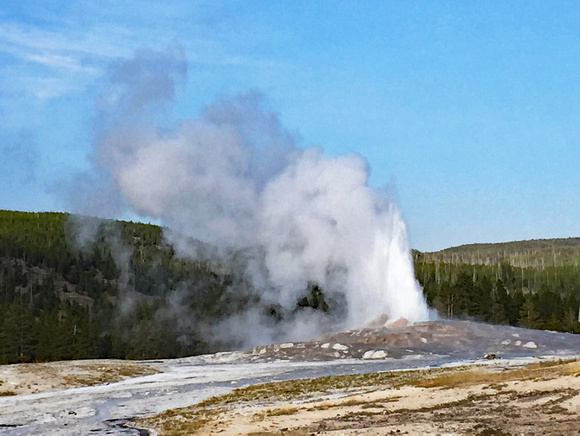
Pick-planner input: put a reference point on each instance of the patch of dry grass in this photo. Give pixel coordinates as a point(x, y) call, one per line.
point(181, 421)
point(281, 411)
point(534, 371)
point(300, 389)
point(173, 421)
point(91, 374)
point(188, 420)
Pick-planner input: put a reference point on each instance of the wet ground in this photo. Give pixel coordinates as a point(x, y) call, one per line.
point(103, 409)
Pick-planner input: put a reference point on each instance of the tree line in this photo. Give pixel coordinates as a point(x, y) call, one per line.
point(504, 292)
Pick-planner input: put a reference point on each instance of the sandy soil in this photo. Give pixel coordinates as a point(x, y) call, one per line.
point(539, 399)
point(28, 378)
point(534, 407)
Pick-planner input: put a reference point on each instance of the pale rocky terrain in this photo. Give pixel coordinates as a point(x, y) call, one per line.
point(400, 341)
point(29, 378)
point(384, 379)
point(537, 400)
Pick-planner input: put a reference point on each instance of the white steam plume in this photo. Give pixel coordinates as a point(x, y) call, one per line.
point(235, 178)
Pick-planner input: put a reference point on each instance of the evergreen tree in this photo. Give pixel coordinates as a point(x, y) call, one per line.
point(529, 314)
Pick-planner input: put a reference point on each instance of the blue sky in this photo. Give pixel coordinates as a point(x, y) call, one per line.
point(468, 111)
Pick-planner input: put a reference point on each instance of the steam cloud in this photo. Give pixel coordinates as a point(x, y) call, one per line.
point(234, 177)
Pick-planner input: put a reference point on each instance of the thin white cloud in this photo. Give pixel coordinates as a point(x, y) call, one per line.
point(59, 61)
point(58, 49)
point(46, 64)
point(70, 49)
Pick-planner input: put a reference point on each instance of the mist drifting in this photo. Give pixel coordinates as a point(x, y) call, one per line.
point(234, 178)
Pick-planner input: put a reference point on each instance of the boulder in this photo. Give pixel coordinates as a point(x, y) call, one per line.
point(396, 323)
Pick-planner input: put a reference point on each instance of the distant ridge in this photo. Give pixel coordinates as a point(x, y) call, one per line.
point(527, 253)
point(531, 243)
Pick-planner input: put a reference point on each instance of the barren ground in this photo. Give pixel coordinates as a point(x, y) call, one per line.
point(541, 398)
point(426, 378)
point(28, 378)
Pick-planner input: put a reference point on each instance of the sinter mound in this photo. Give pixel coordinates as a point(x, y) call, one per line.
point(397, 339)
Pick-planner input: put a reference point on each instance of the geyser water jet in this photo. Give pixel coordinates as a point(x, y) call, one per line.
point(235, 178)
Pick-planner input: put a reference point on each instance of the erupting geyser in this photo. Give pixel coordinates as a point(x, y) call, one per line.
point(233, 177)
point(320, 221)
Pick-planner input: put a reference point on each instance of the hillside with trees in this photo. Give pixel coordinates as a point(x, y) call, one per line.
point(77, 287)
point(532, 284)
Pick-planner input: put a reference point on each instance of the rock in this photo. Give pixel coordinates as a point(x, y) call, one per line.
point(339, 347)
point(530, 345)
point(491, 356)
point(325, 346)
point(506, 342)
point(396, 323)
point(424, 340)
point(368, 354)
point(287, 345)
point(517, 343)
point(375, 354)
